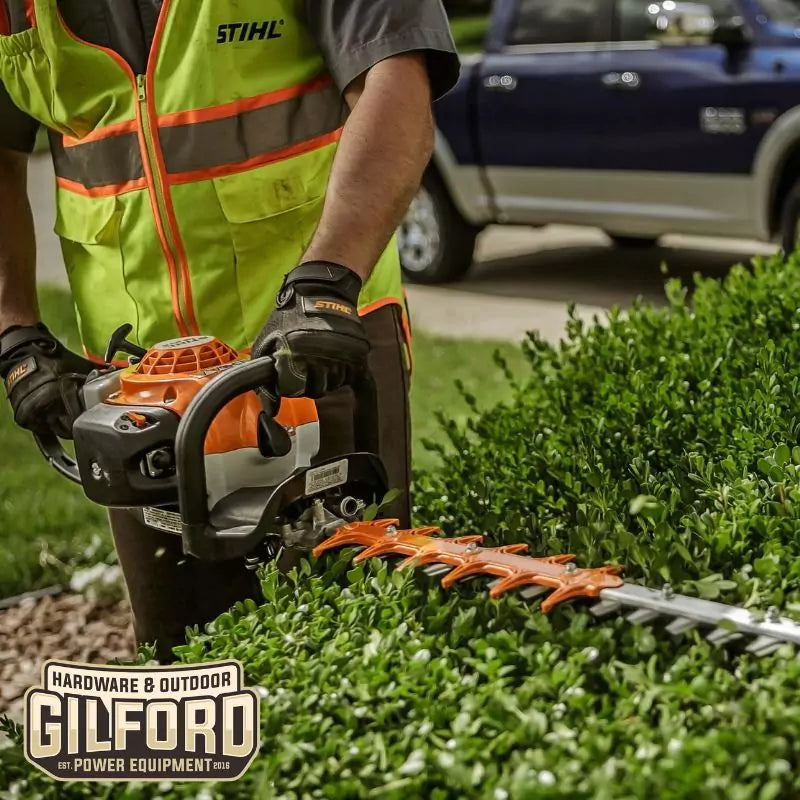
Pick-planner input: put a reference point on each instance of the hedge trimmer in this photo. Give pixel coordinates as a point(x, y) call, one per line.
point(180, 439)
point(466, 557)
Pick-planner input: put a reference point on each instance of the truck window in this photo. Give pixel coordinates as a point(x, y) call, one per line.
point(558, 21)
point(670, 21)
point(786, 12)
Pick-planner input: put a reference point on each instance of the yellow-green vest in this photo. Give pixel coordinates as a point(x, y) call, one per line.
point(186, 194)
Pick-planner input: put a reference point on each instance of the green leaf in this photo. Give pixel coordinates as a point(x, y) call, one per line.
point(638, 504)
point(782, 455)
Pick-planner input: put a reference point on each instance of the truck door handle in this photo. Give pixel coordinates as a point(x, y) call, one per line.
point(622, 80)
point(500, 83)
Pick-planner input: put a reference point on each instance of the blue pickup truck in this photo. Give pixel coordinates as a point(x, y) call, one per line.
point(640, 117)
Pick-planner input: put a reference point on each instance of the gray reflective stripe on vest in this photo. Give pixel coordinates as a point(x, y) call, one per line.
point(250, 134)
point(114, 161)
point(16, 15)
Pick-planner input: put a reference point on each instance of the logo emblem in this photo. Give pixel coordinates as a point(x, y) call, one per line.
point(249, 31)
point(327, 305)
point(19, 372)
point(724, 121)
point(189, 341)
point(95, 723)
point(331, 305)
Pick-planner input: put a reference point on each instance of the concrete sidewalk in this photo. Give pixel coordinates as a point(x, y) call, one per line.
point(467, 315)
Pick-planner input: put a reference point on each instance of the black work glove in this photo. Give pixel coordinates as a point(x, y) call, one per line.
point(315, 333)
point(43, 379)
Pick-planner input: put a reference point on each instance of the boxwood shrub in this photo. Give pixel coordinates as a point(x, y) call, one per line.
point(662, 439)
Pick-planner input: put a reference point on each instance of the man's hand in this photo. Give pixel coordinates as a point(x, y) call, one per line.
point(315, 333)
point(43, 380)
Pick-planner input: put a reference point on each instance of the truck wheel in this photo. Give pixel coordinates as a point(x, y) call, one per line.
point(436, 243)
point(790, 221)
point(631, 242)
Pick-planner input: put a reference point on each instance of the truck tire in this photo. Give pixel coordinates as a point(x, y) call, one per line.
point(790, 221)
point(436, 243)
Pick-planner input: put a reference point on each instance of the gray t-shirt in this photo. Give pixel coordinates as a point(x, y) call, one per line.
point(353, 36)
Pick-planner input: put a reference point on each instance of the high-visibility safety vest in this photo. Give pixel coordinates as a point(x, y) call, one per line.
point(187, 193)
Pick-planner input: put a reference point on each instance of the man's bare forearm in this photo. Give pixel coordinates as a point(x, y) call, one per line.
point(17, 244)
point(385, 147)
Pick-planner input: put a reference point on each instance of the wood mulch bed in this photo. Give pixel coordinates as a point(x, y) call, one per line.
point(69, 626)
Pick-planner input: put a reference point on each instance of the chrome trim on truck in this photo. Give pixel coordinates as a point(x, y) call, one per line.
point(627, 201)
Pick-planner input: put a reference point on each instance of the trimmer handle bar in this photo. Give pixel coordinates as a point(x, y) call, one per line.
point(199, 535)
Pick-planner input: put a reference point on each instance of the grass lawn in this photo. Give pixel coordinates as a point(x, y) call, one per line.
point(46, 523)
point(438, 364)
point(48, 527)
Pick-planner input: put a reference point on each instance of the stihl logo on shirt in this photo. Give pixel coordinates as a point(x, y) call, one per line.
point(20, 371)
point(249, 31)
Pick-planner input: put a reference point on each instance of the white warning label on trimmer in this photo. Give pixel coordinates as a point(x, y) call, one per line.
point(326, 477)
point(162, 520)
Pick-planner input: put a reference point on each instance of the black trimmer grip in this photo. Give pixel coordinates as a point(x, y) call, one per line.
point(51, 448)
point(191, 437)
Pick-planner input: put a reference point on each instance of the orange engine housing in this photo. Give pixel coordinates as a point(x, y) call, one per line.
point(171, 373)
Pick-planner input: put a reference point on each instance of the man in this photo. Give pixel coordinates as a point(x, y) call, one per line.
point(212, 157)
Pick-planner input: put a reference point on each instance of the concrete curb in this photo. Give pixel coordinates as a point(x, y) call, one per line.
point(466, 315)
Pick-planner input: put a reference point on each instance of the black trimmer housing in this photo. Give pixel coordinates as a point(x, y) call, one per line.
point(153, 461)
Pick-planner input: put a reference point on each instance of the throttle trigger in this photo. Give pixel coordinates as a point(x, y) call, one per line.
point(273, 439)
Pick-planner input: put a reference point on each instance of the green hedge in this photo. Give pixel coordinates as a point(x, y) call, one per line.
point(666, 440)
